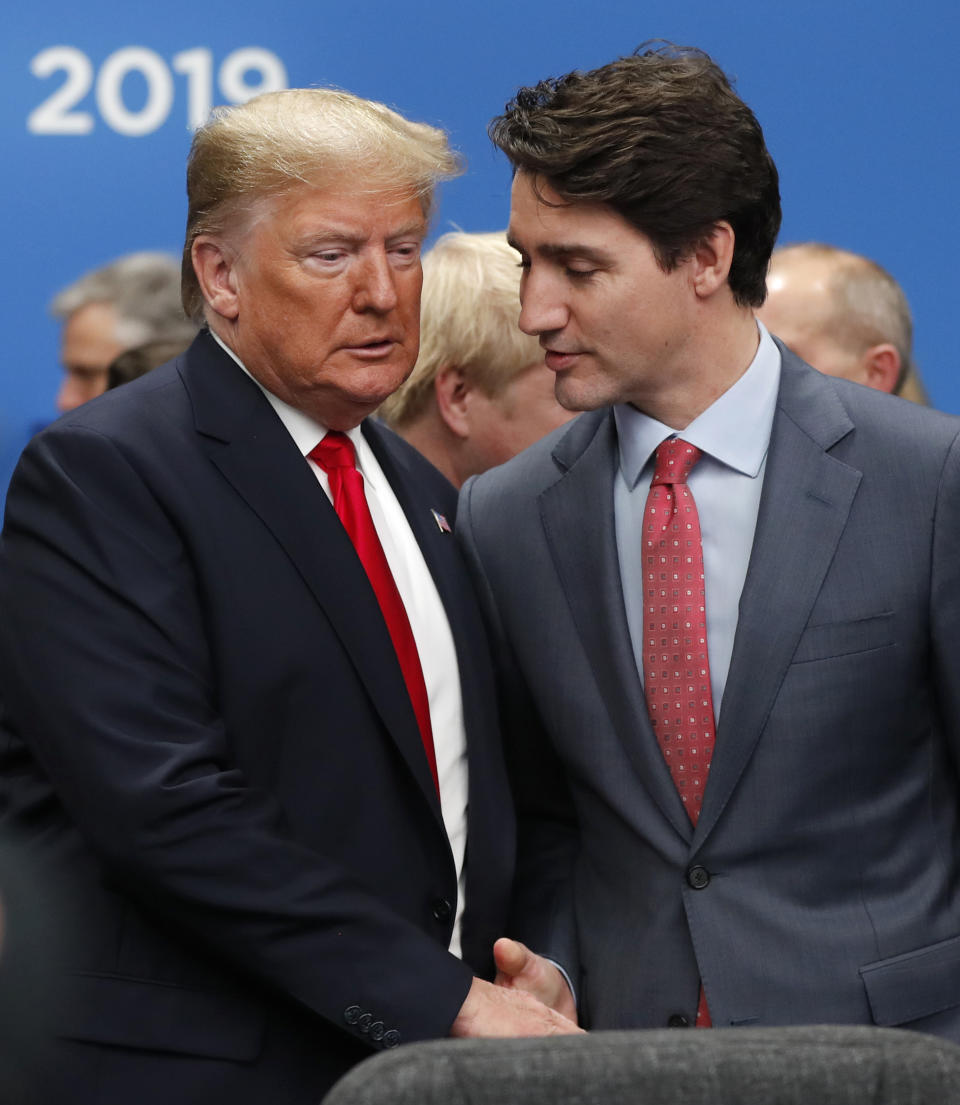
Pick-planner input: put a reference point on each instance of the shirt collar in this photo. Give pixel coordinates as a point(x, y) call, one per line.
point(306, 431)
point(734, 429)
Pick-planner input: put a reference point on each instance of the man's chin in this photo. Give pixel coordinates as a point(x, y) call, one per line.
point(351, 411)
point(574, 396)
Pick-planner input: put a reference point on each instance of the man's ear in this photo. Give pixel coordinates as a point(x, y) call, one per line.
point(712, 259)
point(881, 366)
point(452, 391)
point(213, 264)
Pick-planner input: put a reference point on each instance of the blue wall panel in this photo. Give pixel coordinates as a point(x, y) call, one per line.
point(859, 102)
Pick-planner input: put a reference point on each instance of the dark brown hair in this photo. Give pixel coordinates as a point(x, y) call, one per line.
point(662, 139)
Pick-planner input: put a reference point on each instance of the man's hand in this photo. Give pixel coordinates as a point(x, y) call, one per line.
point(518, 968)
point(496, 1011)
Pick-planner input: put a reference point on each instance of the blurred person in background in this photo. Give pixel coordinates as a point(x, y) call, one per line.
point(843, 314)
point(480, 391)
point(133, 300)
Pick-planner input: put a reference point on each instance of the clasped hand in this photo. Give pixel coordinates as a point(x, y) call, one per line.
point(529, 997)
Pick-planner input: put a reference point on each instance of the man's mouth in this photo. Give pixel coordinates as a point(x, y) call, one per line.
point(376, 347)
point(559, 359)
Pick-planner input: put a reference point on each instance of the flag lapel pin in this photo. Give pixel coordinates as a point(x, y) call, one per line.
point(442, 524)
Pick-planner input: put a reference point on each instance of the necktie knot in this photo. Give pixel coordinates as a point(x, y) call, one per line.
point(334, 451)
point(674, 460)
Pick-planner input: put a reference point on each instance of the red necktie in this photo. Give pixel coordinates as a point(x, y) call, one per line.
point(676, 668)
point(335, 455)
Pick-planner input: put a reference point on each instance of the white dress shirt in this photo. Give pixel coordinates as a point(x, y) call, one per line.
point(428, 621)
point(733, 434)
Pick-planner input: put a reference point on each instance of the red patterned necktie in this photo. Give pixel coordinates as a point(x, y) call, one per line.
point(335, 455)
point(676, 668)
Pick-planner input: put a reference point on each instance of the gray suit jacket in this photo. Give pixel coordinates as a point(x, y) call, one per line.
point(821, 882)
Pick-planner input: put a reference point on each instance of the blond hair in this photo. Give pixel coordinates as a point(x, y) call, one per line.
point(276, 141)
point(468, 320)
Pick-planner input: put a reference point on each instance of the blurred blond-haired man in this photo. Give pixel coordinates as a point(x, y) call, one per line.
point(480, 392)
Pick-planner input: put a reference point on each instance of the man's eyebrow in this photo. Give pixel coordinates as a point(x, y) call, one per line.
point(553, 250)
point(317, 236)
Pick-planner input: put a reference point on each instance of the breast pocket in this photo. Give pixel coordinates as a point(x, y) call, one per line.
point(831, 639)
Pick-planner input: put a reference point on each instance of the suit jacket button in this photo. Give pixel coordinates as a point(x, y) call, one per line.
point(391, 1038)
point(352, 1014)
point(698, 877)
point(364, 1022)
point(677, 1020)
point(442, 909)
point(377, 1031)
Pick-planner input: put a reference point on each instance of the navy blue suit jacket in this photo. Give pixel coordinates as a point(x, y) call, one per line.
point(208, 744)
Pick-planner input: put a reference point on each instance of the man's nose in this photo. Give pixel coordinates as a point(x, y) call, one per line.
point(376, 288)
point(542, 308)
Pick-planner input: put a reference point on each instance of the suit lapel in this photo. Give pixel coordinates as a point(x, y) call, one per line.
point(436, 544)
point(578, 519)
point(249, 444)
point(805, 503)
point(444, 563)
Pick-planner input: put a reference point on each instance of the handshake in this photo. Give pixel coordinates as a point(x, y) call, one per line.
point(530, 997)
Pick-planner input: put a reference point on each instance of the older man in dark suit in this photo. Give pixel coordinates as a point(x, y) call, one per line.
point(249, 722)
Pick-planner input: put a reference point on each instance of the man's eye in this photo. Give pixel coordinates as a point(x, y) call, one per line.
point(580, 274)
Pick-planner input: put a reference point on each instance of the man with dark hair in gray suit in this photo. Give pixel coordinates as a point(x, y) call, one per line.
point(726, 599)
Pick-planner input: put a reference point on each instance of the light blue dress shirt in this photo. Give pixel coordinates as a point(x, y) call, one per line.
point(733, 434)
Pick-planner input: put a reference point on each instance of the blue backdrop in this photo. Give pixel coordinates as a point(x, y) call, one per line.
point(859, 101)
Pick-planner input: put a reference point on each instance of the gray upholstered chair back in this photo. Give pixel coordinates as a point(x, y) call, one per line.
point(819, 1065)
